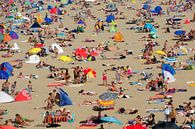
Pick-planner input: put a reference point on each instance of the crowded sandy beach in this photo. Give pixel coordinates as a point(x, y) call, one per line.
point(101, 64)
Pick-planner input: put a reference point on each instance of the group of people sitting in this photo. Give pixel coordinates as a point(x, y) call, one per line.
point(61, 115)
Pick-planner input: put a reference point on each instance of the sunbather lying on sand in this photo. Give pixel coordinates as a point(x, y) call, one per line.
point(127, 111)
point(91, 93)
point(88, 102)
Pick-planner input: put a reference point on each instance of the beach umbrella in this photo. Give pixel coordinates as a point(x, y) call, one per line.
point(159, 52)
point(90, 72)
point(165, 125)
point(23, 95)
point(106, 104)
point(48, 20)
point(108, 96)
point(35, 25)
point(4, 75)
point(81, 52)
point(65, 58)
point(148, 26)
point(34, 50)
point(146, 7)
point(177, 19)
point(137, 126)
point(5, 98)
point(179, 32)
point(13, 35)
point(184, 49)
point(7, 37)
point(111, 120)
point(7, 67)
point(110, 18)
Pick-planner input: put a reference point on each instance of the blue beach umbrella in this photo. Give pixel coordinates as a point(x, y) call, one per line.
point(4, 75)
point(180, 32)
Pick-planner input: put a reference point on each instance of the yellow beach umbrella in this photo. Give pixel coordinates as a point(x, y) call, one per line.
point(34, 50)
point(159, 52)
point(106, 103)
point(184, 50)
point(193, 84)
point(65, 58)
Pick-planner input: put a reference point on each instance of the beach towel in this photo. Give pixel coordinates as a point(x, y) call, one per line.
point(55, 84)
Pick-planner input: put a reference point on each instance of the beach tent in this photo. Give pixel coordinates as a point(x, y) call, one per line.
point(15, 47)
point(35, 25)
point(187, 21)
point(180, 32)
point(60, 50)
point(5, 98)
point(64, 98)
point(168, 72)
point(110, 18)
point(169, 75)
point(33, 59)
point(13, 35)
point(168, 68)
point(23, 95)
point(157, 10)
point(7, 127)
point(4, 75)
point(118, 37)
point(80, 22)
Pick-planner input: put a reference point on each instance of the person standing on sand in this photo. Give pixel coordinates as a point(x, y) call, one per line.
point(104, 77)
point(55, 51)
point(29, 87)
point(118, 76)
point(5, 86)
point(13, 88)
